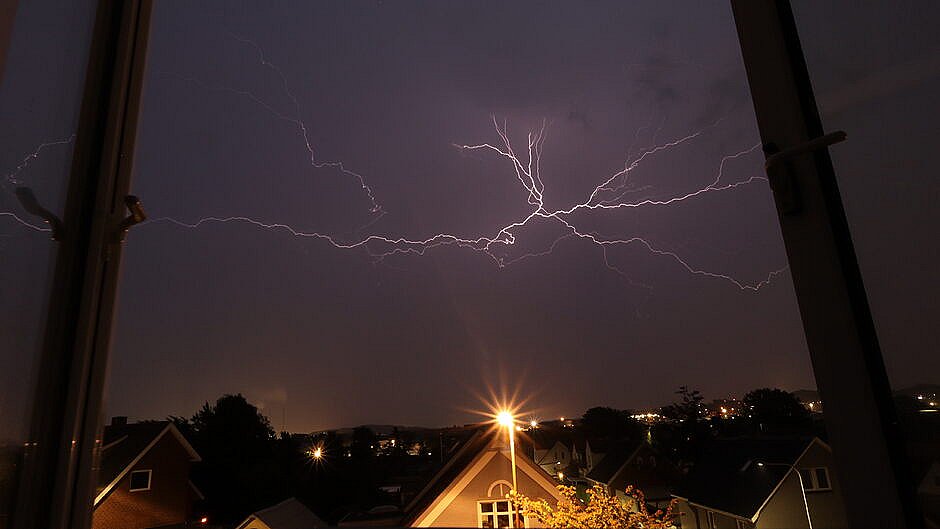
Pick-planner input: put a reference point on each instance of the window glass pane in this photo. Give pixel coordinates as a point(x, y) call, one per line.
point(822, 478)
point(140, 480)
point(40, 96)
point(327, 239)
point(876, 75)
point(486, 507)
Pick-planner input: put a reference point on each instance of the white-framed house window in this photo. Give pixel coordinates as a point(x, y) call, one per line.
point(140, 480)
point(816, 479)
point(496, 512)
point(711, 519)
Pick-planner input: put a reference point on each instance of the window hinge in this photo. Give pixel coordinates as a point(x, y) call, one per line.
point(781, 181)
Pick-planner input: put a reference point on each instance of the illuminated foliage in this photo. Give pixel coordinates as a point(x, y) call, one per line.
point(600, 510)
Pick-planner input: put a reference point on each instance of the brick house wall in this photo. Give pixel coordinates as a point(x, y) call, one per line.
point(169, 500)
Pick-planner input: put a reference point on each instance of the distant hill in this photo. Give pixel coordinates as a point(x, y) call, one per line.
point(383, 429)
point(919, 389)
point(806, 395)
point(811, 395)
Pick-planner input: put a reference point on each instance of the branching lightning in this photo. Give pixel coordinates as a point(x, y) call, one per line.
point(11, 177)
point(609, 195)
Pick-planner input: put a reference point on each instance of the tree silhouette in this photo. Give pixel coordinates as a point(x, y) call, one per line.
point(610, 423)
point(772, 410)
point(238, 473)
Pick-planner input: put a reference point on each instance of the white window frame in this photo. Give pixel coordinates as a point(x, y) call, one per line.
point(495, 512)
point(494, 501)
point(130, 479)
point(711, 519)
point(811, 482)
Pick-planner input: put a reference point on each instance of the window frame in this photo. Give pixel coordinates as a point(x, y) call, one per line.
point(495, 513)
point(811, 479)
point(130, 480)
point(57, 480)
point(711, 519)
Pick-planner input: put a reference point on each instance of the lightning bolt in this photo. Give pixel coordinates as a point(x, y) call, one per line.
point(10, 178)
point(609, 195)
point(527, 172)
point(22, 222)
point(295, 119)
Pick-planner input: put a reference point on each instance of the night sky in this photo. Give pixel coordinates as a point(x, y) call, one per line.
point(321, 336)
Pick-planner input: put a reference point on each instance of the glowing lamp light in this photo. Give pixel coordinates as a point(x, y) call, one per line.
point(534, 424)
point(504, 418)
point(204, 520)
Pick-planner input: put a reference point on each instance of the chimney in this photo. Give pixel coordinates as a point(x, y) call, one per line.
point(120, 420)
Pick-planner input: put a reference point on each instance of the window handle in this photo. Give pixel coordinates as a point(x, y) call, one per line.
point(137, 215)
point(32, 206)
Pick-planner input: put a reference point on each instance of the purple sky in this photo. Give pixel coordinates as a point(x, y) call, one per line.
point(324, 337)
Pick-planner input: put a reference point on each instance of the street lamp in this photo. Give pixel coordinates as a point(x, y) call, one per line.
point(505, 418)
point(802, 488)
point(316, 453)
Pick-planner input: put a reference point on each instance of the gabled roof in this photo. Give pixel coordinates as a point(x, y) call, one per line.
point(469, 455)
point(124, 445)
point(289, 514)
point(727, 477)
point(470, 448)
point(616, 457)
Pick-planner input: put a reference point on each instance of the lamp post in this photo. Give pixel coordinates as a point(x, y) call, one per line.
point(802, 488)
point(505, 418)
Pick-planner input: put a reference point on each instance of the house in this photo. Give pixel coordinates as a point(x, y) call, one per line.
point(762, 484)
point(554, 458)
point(594, 451)
point(289, 514)
point(639, 465)
point(928, 492)
point(143, 477)
point(470, 489)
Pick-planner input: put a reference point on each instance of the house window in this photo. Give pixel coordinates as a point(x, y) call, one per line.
point(496, 514)
point(499, 489)
point(741, 524)
point(711, 518)
point(140, 480)
point(815, 479)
